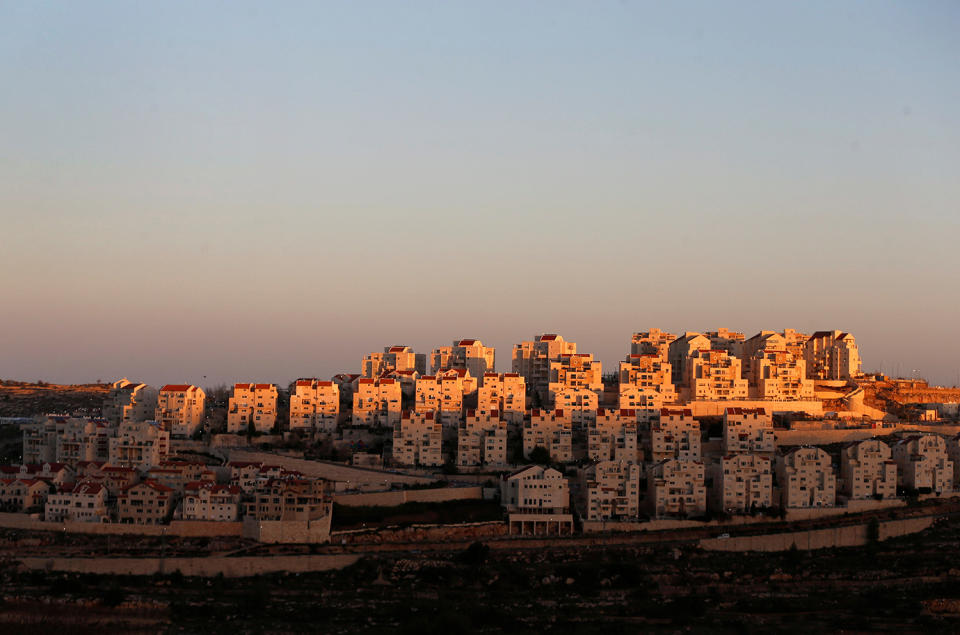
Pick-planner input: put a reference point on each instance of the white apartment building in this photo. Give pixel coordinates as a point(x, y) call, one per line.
point(675, 436)
point(648, 372)
point(377, 402)
point(867, 470)
point(612, 436)
point(647, 402)
point(748, 430)
point(652, 342)
point(482, 439)
point(417, 440)
point(924, 463)
point(205, 500)
point(444, 394)
point(467, 354)
point(315, 406)
point(506, 393)
point(778, 375)
point(140, 444)
point(612, 491)
point(579, 370)
point(675, 488)
point(726, 340)
point(130, 401)
point(806, 478)
point(679, 353)
point(578, 404)
point(81, 502)
point(549, 429)
point(742, 483)
point(393, 358)
point(535, 489)
point(180, 409)
point(80, 440)
point(252, 404)
point(832, 355)
point(714, 375)
point(532, 361)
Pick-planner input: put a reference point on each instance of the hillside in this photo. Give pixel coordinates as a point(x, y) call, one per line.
point(24, 399)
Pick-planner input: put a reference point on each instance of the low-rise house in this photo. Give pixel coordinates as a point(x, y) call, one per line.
point(536, 489)
point(244, 474)
point(612, 491)
point(205, 500)
point(748, 430)
point(27, 495)
point(676, 488)
point(806, 479)
point(924, 463)
point(867, 470)
point(741, 483)
point(146, 503)
point(289, 499)
point(83, 501)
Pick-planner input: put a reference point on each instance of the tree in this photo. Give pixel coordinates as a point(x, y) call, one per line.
point(251, 430)
point(540, 455)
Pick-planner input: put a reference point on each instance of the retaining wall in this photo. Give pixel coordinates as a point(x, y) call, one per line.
point(207, 567)
point(392, 499)
point(851, 536)
point(181, 528)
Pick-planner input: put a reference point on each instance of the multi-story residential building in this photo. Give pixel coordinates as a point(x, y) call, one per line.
point(393, 358)
point(444, 394)
point(532, 361)
point(177, 473)
point(24, 494)
point(466, 354)
point(748, 430)
point(146, 503)
point(649, 372)
point(130, 401)
point(679, 353)
point(506, 393)
point(244, 474)
point(551, 430)
point(377, 402)
point(867, 470)
point(83, 440)
point(726, 340)
point(652, 342)
point(289, 498)
point(806, 478)
point(417, 440)
point(577, 403)
point(40, 438)
point(482, 439)
point(612, 436)
point(116, 478)
point(205, 500)
point(924, 463)
point(579, 370)
point(83, 501)
point(675, 436)
point(742, 483)
point(675, 487)
point(832, 355)
point(314, 406)
point(536, 489)
point(139, 445)
point(612, 491)
point(789, 340)
point(953, 451)
point(647, 402)
point(180, 409)
point(252, 404)
point(713, 375)
point(778, 375)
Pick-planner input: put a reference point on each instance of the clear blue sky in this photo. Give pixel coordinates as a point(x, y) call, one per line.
point(262, 191)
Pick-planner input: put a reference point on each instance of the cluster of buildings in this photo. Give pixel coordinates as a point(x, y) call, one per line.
point(156, 494)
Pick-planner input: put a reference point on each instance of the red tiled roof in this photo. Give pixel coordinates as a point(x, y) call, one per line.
point(262, 386)
point(468, 342)
point(176, 388)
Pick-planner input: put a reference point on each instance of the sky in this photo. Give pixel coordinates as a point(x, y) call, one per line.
point(214, 192)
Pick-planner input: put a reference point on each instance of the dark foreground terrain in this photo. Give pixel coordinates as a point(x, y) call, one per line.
point(910, 584)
